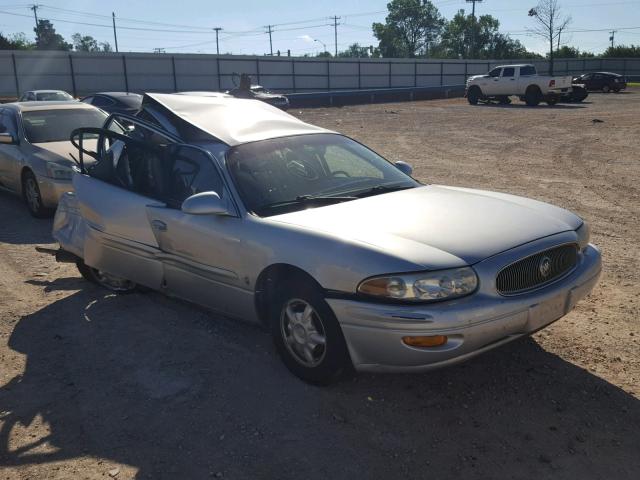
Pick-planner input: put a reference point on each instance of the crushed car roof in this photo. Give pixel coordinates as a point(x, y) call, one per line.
point(233, 120)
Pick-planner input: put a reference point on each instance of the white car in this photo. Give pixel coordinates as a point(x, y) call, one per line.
point(35, 150)
point(46, 96)
point(519, 80)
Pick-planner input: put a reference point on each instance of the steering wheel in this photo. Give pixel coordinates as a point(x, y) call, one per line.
point(340, 172)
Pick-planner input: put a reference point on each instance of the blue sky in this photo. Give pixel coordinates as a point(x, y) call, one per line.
point(300, 26)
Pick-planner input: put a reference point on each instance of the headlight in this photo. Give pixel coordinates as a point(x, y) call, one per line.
point(424, 286)
point(584, 233)
point(59, 172)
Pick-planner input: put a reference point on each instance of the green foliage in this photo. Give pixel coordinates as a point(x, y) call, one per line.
point(356, 51)
point(87, 43)
point(622, 51)
point(16, 41)
point(571, 52)
point(48, 39)
point(465, 36)
point(324, 54)
point(410, 27)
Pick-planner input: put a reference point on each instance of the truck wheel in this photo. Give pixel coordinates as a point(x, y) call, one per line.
point(473, 95)
point(307, 334)
point(110, 282)
point(606, 89)
point(533, 96)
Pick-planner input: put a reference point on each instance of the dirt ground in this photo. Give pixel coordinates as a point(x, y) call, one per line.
point(141, 386)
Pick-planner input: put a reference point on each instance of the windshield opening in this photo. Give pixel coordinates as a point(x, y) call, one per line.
point(283, 174)
point(53, 96)
point(42, 126)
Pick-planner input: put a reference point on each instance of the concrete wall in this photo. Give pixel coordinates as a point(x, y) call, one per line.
point(85, 73)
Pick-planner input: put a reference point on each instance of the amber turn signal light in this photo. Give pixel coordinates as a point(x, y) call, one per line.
point(428, 341)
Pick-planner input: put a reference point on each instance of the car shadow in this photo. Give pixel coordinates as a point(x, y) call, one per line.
point(18, 227)
point(558, 106)
point(176, 392)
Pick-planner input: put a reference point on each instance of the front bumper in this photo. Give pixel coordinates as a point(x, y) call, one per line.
point(51, 190)
point(473, 324)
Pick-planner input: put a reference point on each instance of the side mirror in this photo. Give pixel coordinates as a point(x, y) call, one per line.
point(205, 203)
point(8, 139)
point(404, 167)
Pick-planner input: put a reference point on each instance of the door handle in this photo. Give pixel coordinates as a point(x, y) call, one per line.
point(159, 225)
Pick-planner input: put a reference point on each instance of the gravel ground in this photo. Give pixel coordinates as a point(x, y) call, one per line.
point(142, 386)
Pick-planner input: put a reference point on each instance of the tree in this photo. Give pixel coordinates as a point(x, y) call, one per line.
point(410, 27)
point(571, 52)
point(84, 43)
point(355, 51)
point(324, 54)
point(466, 36)
point(550, 22)
point(48, 39)
point(15, 41)
point(623, 51)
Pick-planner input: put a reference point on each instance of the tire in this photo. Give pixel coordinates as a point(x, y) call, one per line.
point(307, 334)
point(533, 96)
point(551, 101)
point(32, 196)
point(110, 282)
point(616, 90)
point(473, 95)
point(606, 89)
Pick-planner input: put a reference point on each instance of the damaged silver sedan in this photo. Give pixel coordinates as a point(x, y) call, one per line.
point(342, 255)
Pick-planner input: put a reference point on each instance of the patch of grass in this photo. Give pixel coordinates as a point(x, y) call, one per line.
point(633, 84)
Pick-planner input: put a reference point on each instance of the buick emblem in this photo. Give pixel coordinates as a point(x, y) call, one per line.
point(544, 266)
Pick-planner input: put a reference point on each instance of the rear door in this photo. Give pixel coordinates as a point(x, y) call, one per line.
point(507, 84)
point(114, 201)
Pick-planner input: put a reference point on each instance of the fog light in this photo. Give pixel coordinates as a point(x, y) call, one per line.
point(430, 341)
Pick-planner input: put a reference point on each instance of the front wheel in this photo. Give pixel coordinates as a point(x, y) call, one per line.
point(307, 334)
point(104, 279)
point(473, 96)
point(33, 197)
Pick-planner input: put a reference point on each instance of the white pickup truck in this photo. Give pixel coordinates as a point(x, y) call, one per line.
point(520, 80)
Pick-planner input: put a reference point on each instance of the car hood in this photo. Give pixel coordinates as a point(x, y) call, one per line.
point(59, 152)
point(438, 226)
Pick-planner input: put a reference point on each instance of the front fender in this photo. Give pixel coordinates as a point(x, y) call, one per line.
point(69, 228)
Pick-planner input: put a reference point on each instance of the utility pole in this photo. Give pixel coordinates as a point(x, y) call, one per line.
point(335, 32)
point(559, 34)
point(612, 37)
point(115, 34)
point(473, 27)
point(217, 29)
point(270, 31)
point(35, 15)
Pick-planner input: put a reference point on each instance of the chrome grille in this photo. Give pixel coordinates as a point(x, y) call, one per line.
point(537, 270)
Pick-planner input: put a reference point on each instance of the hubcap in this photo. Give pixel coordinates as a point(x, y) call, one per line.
point(32, 194)
point(303, 332)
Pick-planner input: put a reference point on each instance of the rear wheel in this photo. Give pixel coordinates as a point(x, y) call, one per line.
point(533, 96)
point(32, 196)
point(473, 95)
point(606, 89)
point(105, 280)
point(307, 334)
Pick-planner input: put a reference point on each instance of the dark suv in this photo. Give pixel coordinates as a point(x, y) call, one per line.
point(605, 81)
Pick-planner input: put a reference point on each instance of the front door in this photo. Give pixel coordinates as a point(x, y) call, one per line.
point(10, 155)
point(201, 254)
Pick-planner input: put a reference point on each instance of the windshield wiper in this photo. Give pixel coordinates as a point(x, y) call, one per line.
point(378, 189)
point(308, 199)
